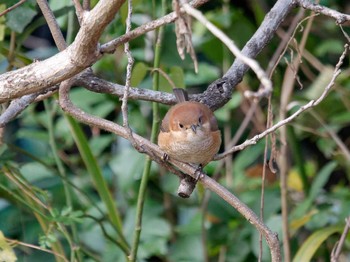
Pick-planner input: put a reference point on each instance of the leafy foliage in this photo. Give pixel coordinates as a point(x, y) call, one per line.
point(57, 177)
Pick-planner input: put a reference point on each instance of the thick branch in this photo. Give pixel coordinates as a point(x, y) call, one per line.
point(220, 91)
point(80, 55)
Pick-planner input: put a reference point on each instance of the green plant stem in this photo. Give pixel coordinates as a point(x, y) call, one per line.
point(298, 157)
point(101, 185)
point(27, 197)
point(148, 161)
point(66, 186)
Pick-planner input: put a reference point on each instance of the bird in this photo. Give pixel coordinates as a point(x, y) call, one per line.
point(189, 131)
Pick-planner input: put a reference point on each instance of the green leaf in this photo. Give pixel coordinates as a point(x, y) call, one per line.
point(138, 74)
point(20, 17)
point(6, 251)
point(224, 113)
point(177, 75)
point(34, 171)
point(155, 227)
point(206, 73)
point(297, 223)
point(2, 32)
point(187, 248)
point(331, 45)
point(318, 85)
point(2, 25)
point(127, 165)
point(317, 185)
point(100, 143)
point(124, 10)
point(310, 246)
point(321, 179)
point(57, 5)
point(341, 118)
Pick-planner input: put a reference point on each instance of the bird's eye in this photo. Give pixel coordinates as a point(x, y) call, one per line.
point(200, 120)
point(181, 125)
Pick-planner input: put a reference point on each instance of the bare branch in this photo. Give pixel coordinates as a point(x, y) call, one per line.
point(156, 154)
point(167, 19)
point(79, 10)
point(80, 55)
point(127, 51)
point(234, 49)
point(283, 122)
point(220, 91)
point(12, 7)
point(86, 5)
point(340, 18)
point(337, 248)
point(52, 23)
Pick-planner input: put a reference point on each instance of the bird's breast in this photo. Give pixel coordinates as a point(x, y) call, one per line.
point(190, 147)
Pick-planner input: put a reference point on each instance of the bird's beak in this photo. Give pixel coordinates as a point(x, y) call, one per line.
point(194, 128)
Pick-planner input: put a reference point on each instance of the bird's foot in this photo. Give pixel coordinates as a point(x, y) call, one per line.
point(198, 172)
point(165, 157)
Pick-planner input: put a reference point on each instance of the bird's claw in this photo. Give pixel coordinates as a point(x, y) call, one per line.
point(165, 157)
point(198, 173)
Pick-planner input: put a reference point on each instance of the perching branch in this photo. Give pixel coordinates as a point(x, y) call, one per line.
point(156, 154)
point(217, 94)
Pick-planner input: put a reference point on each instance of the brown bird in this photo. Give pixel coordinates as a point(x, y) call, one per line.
point(189, 131)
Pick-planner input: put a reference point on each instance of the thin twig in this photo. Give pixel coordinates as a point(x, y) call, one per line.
point(290, 77)
point(166, 76)
point(129, 67)
point(79, 10)
point(339, 245)
point(340, 18)
point(12, 7)
point(283, 122)
point(111, 46)
point(16, 242)
point(53, 25)
point(266, 82)
point(333, 135)
point(86, 5)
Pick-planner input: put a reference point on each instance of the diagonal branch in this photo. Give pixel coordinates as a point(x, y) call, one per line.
point(12, 7)
point(253, 64)
point(111, 46)
point(53, 25)
point(340, 18)
point(81, 54)
point(287, 120)
point(156, 154)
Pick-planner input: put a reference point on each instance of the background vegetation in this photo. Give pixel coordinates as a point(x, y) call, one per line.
point(54, 172)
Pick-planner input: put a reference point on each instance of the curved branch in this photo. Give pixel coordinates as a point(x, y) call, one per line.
point(81, 54)
point(156, 154)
